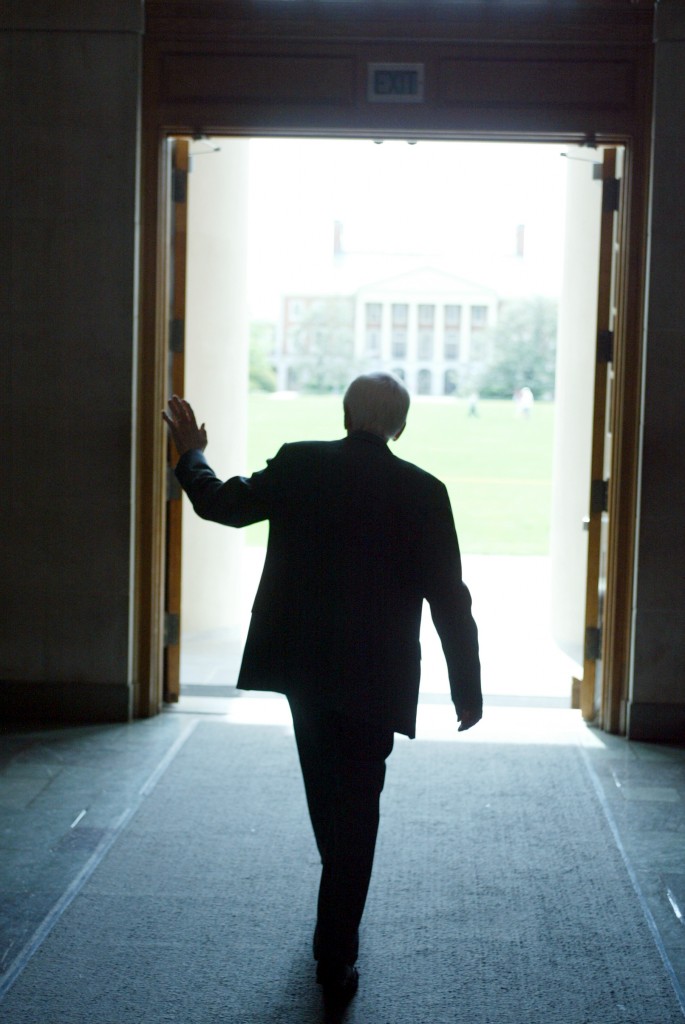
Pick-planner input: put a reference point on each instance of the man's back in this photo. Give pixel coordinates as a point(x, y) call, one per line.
point(358, 539)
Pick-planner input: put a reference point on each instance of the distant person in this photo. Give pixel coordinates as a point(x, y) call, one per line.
point(358, 538)
point(473, 404)
point(524, 401)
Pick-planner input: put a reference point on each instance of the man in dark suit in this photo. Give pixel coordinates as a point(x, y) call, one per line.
point(357, 540)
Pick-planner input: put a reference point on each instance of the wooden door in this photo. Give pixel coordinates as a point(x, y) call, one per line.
point(178, 166)
point(598, 517)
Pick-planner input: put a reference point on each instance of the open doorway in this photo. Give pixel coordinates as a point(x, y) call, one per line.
point(443, 262)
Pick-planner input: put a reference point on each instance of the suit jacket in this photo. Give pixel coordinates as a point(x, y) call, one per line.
point(357, 540)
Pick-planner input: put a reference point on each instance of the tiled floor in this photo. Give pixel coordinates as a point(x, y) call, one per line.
point(67, 794)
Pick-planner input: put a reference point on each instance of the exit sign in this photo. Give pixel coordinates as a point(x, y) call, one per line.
point(395, 83)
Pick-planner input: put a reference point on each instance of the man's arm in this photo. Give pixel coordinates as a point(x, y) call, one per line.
point(450, 604)
point(235, 502)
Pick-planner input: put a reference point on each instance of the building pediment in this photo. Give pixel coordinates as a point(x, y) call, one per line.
point(427, 280)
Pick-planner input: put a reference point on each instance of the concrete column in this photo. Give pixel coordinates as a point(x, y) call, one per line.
point(216, 361)
point(575, 372)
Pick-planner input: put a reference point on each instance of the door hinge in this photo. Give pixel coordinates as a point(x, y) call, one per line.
point(179, 185)
point(593, 643)
point(177, 335)
point(599, 496)
point(605, 346)
point(172, 629)
point(173, 487)
point(611, 194)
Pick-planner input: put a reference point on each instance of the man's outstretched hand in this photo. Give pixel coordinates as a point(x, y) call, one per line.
point(185, 433)
point(468, 718)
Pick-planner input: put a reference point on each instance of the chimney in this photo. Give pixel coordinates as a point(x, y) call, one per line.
point(520, 240)
point(337, 238)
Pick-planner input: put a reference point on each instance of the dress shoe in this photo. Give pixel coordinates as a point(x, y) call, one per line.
point(339, 981)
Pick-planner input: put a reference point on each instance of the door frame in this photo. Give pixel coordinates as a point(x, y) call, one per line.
point(581, 80)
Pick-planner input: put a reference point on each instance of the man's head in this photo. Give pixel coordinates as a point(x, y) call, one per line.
point(378, 403)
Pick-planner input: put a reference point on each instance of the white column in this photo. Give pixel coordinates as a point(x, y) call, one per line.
point(575, 373)
point(216, 363)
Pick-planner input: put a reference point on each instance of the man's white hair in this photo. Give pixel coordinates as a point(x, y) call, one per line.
point(377, 402)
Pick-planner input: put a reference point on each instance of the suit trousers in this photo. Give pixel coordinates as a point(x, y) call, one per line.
point(343, 768)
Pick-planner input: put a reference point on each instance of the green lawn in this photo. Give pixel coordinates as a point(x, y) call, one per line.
point(497, 467)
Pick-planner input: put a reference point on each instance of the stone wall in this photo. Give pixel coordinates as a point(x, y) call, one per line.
point(70, 81)
point(657, 700)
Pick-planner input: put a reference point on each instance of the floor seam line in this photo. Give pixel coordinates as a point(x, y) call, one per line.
point(21, 960)
point(649, 917)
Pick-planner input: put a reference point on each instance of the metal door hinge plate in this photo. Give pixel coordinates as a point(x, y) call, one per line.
point(593, 643)
point(599, 496)
point(172, 629)
point(605, 346)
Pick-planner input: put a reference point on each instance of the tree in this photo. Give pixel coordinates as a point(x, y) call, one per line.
point(261, 371)
point(523, 349)
point(325, 342)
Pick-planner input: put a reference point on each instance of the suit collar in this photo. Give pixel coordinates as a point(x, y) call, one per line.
point(366, 435)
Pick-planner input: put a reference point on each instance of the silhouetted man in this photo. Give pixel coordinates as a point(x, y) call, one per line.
point(357, 540)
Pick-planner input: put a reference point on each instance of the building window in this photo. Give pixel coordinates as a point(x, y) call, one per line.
point(426, 315)
point(479, 351)
point(373, 341)
point(399, 344)
point(374, 314)
point(479, 318)
point(398, 372)
point(451, 343)
point(425, 347)
point(452, 336)
point(424, 382)
point(400, 314)
point(452, 316)
point(450, 382)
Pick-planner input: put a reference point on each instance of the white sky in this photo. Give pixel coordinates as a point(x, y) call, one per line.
point(456, 199)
